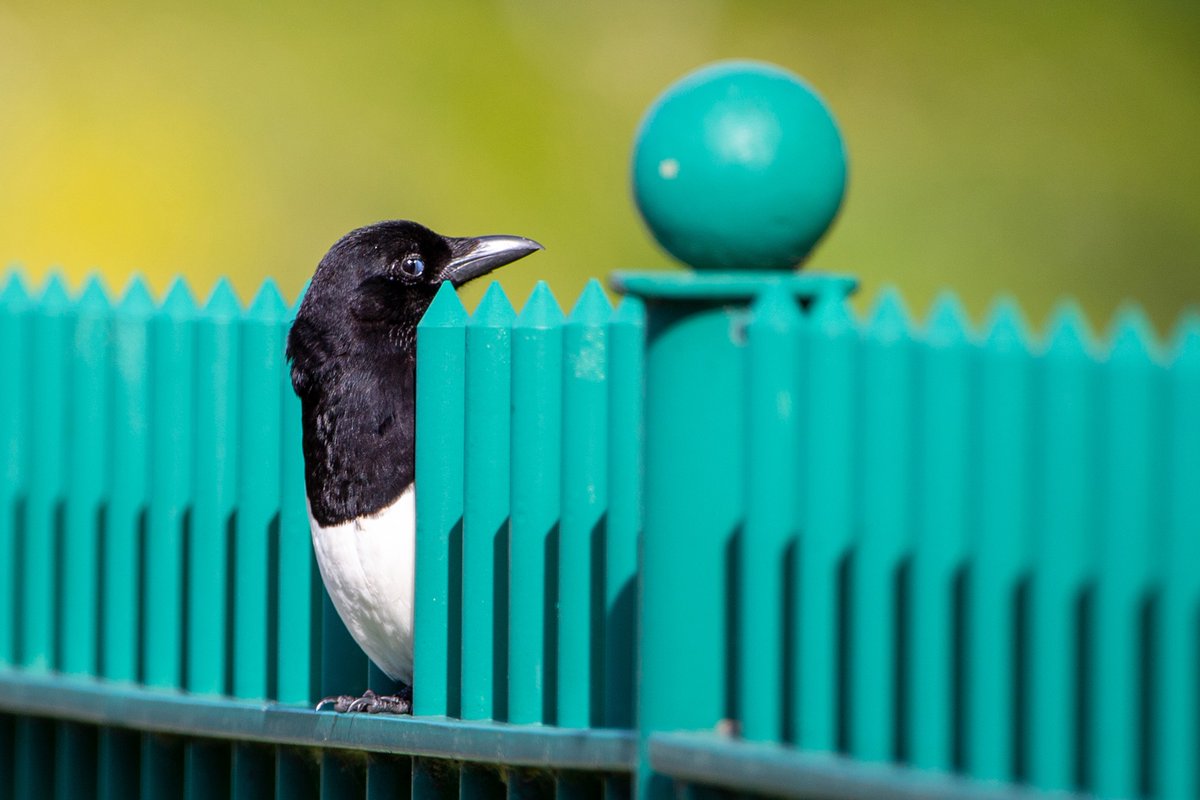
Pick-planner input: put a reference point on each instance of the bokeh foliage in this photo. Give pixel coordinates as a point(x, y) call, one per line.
point(1039, 149)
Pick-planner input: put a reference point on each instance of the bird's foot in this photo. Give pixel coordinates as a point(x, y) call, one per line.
point(370, 703)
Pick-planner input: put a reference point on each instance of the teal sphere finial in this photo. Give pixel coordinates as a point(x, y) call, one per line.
point(739, 166)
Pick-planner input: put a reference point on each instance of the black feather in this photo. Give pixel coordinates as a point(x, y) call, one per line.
point(353, 355)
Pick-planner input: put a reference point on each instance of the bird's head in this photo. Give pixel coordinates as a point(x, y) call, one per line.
point(372, 287)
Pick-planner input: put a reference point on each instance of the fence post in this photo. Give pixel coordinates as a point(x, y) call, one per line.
point(693, 489)
point(738, 170)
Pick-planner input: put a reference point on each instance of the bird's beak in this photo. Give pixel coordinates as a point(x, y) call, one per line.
point(471, 257)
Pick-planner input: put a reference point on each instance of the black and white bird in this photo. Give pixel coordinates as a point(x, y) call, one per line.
point(353, 354)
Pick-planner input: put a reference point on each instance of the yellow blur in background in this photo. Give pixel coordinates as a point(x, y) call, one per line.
point(1044, 150)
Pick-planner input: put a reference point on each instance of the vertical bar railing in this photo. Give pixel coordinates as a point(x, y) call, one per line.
point(1129, 548)
point(826, 527)
point(89, 477)
point(72, 744)
point(941, 421)
point(1176, 695)
point(124, 528)
point(486, 507)
point(15, 311)
point(626, 334)
point(999, 559)
point(299, 588)
point(441, 348)
point(1064, 556)
point(262, 349)
point(209, 545)
point(48, 389)
point(883, 542)
point(172, 369)
point(967, 555)
point(256, 524)
point(582, 533)
point(18, 309)
point(773, 443)
point(537, 434)
point(218, 359)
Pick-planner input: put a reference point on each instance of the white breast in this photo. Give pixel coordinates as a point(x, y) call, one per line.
point(368, 566)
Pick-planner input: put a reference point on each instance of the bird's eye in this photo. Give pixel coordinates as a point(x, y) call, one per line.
point(413, 266)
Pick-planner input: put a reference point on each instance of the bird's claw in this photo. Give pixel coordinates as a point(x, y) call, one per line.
point(370, 703)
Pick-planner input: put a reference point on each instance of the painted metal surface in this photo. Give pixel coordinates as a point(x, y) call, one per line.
point(906, 550)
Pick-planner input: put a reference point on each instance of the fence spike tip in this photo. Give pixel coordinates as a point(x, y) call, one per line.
point(1185, 342)
point(493, 310)
point(1131, 335)
point(223, 301)
point(54, 294)
point(541, 309)
point(592, 307)
point(445, 310)
point(888, 318)
point(1068, 331)
point(137, 300)
point(1006, 327)
point(15, 293)
point(948, 321)
point(94, 296)
point(268, 304)
point(178, 304)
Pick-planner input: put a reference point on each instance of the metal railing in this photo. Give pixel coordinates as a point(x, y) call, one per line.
point(878, 558)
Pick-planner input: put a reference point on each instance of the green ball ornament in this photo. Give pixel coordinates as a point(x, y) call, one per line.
point(739, 166)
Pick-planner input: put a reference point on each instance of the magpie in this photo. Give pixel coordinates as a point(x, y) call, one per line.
point(352, 349)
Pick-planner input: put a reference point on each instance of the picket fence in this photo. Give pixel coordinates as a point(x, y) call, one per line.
point(964, 563)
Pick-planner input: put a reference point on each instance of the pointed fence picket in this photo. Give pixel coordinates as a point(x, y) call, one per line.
point(14, 416)
point(584, 497)
point(485, 538)
point(1177, 734)
point(773, 417)
point(952, 555)
point(537, 431)
point(819, 668)
point(624, 517)
point(215, 491)
point(940, 537)
point(441, 349)
point(1064, 552)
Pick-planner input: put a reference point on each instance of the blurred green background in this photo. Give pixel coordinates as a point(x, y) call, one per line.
point(1040, 149)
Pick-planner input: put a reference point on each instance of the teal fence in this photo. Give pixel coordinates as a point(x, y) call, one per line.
point(945, 562)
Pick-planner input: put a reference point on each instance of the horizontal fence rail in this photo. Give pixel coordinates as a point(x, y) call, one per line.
point(959, 561)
